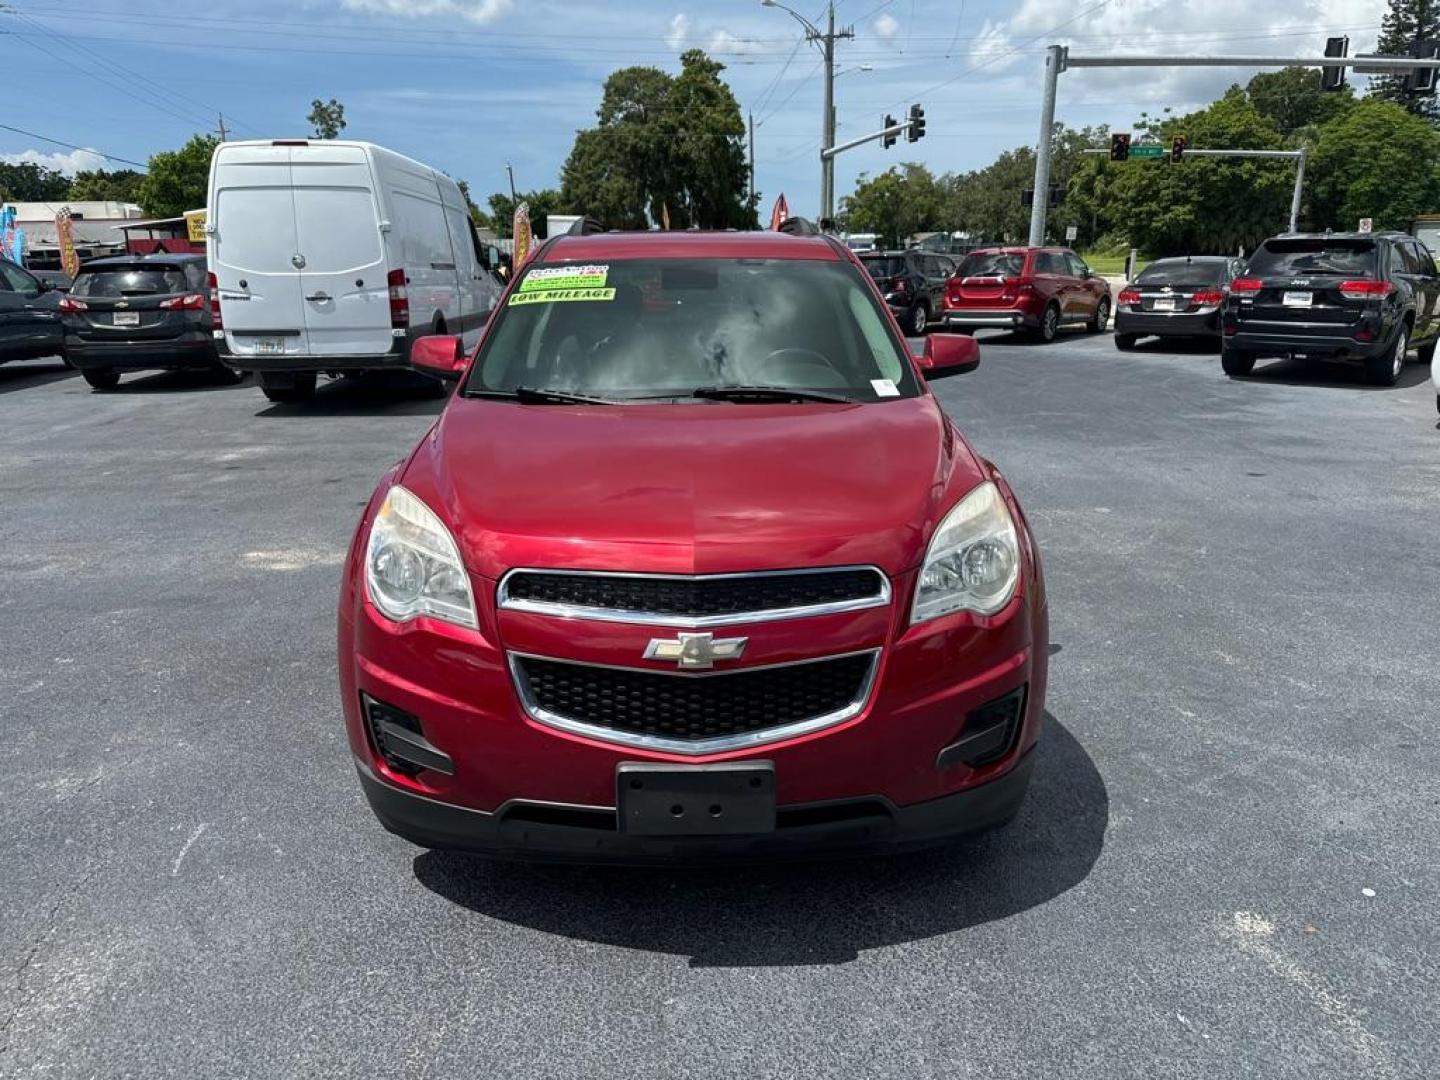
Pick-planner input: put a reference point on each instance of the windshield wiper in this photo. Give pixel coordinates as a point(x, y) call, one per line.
point(765, 393)
point(535, 395)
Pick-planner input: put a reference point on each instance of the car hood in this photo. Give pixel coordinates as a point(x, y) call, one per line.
point(691, 489)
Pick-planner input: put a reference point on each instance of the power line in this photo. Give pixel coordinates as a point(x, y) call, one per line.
point(72, 146)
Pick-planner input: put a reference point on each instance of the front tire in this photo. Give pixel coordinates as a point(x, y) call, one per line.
point(918, 319)
point(1236, 363)
point(1102, 317)
point(1384, 370)
point(1125, 342)
point(1049, 325)
point(101, 378)
point(297, 387)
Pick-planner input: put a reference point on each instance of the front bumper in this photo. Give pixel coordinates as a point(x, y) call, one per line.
point(1177, 324)
point(193, 350)
point(527, 830)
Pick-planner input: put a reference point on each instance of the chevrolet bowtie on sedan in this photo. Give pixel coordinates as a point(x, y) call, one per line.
point(692, 566)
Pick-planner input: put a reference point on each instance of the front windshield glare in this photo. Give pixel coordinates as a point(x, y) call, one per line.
point(661, 329)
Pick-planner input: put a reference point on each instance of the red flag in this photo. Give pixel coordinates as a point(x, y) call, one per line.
point(780, 213)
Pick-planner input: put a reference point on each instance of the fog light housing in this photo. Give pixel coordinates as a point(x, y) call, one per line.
point(989, 732)
point(400, 741)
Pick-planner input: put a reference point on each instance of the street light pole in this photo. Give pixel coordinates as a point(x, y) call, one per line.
point(511, 173)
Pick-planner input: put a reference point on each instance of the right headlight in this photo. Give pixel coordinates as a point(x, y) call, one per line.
point(412, 566)
point(973, 562)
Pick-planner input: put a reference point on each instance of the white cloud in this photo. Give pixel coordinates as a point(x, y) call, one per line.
point(679, 31)
point(887, 26)
point(477, 11)
point(67, 163)
point(723, 41)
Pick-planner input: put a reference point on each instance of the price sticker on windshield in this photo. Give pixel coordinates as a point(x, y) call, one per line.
point(565, 277)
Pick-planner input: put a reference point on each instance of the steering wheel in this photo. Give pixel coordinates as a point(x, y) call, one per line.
point(794, 360)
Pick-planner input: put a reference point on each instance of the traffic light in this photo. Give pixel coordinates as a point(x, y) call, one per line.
point(1422, 80)
point(1027, 198)
point(1120, 146)
point(1333, 78)
point(1057, 195)
point(917, 124)
point(889, 140)
point(1177, 147)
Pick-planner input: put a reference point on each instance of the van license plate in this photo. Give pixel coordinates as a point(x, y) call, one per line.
point(269, 346)
point(127, 318)
point(1297, 299)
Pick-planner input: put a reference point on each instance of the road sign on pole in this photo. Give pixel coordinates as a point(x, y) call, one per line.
point(1366, 224)
point(1146, 150)
point(1071, 232)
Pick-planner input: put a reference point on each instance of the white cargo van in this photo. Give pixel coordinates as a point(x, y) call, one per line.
point(332, 257)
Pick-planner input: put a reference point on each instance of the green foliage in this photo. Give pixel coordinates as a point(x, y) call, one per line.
point(28, 182)
point(664, 147)
point(542, 203)
point(1403, 23)
point(177, 179)
point(902, 200)
point(326, 118)
point(1291, 99)
point(122, 185)
point(1376, 161)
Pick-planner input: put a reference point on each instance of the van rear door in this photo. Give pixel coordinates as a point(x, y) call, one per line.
point(253, 250)
point(346, 297)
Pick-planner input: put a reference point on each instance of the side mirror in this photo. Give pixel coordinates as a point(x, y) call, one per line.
point(441, 355)
point(948, 354)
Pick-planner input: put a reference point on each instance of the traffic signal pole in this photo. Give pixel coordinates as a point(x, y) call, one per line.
point(1058, 59)
point(901, 128)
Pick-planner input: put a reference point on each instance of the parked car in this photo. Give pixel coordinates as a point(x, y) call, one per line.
point(139, 313)
point(54, 279)
point(334, 256)
point(29, 315)
point(1175, 298)
point(1034, 289)
point(692, 565)
point(913, 283)
point(1365, 298)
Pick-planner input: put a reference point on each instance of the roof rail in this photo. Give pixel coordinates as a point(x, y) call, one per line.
point(584, 226)
point(798, 226)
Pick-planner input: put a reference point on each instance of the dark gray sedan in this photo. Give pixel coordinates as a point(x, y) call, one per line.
point(1173, 298)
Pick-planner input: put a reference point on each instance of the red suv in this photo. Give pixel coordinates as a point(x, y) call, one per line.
point(692, 565)
point(1034, 289)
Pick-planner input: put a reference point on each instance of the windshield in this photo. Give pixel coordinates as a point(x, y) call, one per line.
point(130, 281)
point(1182, 273)
point(994, 264)
point(883, 266)
point(662, 329)
point(1292, 258)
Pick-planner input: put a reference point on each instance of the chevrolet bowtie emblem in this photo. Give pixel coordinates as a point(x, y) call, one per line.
point(695, 652)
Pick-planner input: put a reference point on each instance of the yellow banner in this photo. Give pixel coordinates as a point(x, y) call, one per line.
point(65, 234)
point(195, 221)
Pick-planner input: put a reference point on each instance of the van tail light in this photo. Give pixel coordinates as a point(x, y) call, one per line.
point(70, 305)
point(399, 300)
point(1246, 286)
point(1209, 297)
point(1128, 296)
point(214, 286)
point(189, 302)
point(1365, 289)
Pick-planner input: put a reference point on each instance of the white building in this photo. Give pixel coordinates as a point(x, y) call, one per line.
point(94, 224)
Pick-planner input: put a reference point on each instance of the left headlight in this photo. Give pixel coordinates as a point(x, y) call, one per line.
point(973, 563)
point(412, 566)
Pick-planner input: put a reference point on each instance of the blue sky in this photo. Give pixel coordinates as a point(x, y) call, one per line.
point(467, 85)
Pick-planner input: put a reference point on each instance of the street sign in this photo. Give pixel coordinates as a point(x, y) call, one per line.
point(1365, 224)
point(1071, 232)
point(1146, 150)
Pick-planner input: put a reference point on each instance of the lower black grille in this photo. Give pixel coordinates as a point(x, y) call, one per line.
point(695, 597)
point(693, 708)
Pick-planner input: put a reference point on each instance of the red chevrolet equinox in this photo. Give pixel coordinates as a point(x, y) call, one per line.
point(692, 566)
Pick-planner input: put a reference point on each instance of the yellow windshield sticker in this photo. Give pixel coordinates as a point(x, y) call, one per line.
point(565, 277)
point(560, 296)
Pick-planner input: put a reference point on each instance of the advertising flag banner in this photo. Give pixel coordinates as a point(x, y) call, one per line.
point(524, 239)
point(780, 213)
point(65, 235)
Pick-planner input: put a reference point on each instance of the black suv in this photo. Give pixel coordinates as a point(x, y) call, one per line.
point(913, 283)
point(1361, 297)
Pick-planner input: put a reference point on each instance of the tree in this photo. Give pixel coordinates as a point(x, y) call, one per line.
point(1376, 161)
point(1406, 22)
point(1291, 99)
point(478, 216)
point(122, 185)
point(542, 202)
point(903, 200)
point(327, 119)
point(177, 179)
point(664, 148)
point(28, 182)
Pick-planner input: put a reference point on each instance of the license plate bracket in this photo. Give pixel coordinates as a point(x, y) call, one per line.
point(125, 318)
point(726, 798)
point(1293, 298)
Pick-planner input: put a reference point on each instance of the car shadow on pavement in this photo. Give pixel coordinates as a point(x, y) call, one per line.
point(185, 381)
point(24, 376)
point(381, 394)
point(1329, 375)
point(808, 913)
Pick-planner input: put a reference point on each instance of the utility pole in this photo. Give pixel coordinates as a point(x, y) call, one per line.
point(224, 131)
point(511, 173)
point(1053, 59)
point(751, 119)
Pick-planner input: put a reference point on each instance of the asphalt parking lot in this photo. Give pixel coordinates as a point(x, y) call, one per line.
point(1226, 866)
